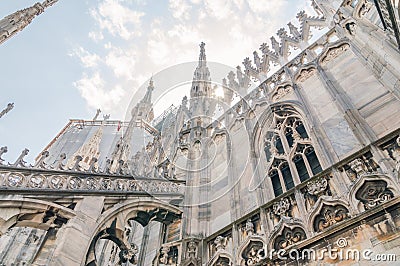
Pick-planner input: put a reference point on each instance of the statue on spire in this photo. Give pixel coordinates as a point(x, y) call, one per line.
point(202, 56)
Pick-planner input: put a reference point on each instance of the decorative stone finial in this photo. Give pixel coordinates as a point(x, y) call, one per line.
point(98, 111)
point(76, 166)
point(20, 161)
point(3, 150)
point(92, 165)
point(40, 162)
point(59, 165)
point(107, 168)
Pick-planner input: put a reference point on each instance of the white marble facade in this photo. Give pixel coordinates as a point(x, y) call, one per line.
point(307, 159)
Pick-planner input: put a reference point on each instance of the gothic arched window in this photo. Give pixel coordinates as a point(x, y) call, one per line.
point(289, 151)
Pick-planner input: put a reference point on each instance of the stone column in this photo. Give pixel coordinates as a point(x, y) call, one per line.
point(74, 238)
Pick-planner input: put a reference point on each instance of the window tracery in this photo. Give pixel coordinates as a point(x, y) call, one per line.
point(289, 151)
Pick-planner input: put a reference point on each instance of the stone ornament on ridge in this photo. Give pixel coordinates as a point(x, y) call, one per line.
point(3, 150)
point(40, 162)
point(20, 161)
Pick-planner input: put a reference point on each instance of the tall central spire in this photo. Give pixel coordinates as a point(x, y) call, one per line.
point(201, 91)
point(201, 85)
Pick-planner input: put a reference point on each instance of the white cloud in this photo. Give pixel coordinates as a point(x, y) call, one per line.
point(180, 9)
point(88, 59)
point(96, 36)
point(118, 19)
point(266, 6)
point(92, 89)
point(122, 62)
point(219, 9)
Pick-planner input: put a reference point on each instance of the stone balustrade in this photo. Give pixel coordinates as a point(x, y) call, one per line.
point(19, 179)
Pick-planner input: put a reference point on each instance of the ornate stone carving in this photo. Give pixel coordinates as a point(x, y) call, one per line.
point(317, 187)
point(15, 180)
point(3, 150)
point(191, 250)
point(223, 261)
point(164, 254)
point(129, 254)
point(76, 166)
point(20, 161)
point(60, 182)
point(363, 8)
point(168, 255)
point(334, 52)
point(92, 165)
point(358, 166)
point(361, 166)
point(281, 92)
point(374, 193)
point(37, 181)
point(351, 27)
point(282, 208)
point(249, 227)
point(59, 163)
point(288, 237)
point(330, 215)
point(253, 253)
point(40, 162)
point(220, 243)
point(305, 74)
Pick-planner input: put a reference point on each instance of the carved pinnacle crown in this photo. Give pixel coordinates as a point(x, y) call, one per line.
point(202, 56)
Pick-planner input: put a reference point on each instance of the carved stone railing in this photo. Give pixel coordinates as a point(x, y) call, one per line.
point(29, 179)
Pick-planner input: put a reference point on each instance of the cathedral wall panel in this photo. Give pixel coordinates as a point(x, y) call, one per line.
point(221, 188)
point(366, 93)
point(332, 120)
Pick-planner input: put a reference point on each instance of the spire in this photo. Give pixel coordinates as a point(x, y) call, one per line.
point(147, 96)
point(14, 23)
point(201, 79)
point(142, 111)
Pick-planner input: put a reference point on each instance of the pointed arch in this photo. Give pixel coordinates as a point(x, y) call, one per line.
point(292, 227)
point(252, 248)
point(326, 208)
point(284, 136)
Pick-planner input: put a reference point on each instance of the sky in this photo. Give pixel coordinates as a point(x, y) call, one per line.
point(82, 55)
